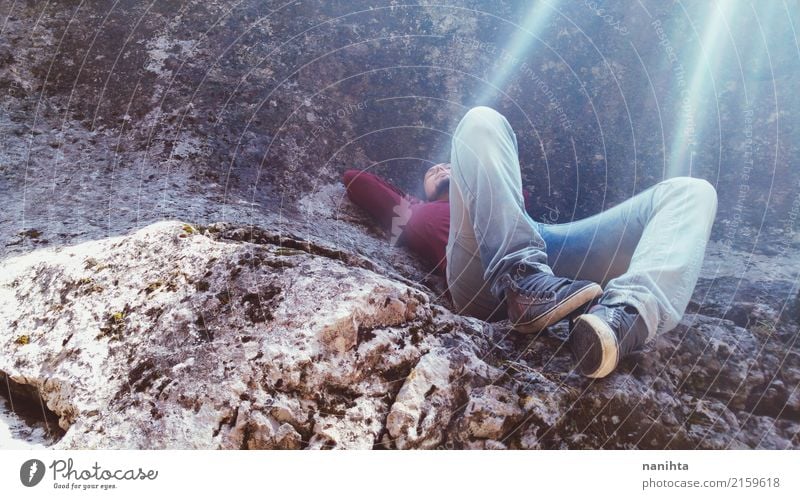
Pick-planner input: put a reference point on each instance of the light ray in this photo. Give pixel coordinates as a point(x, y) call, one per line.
point(517, 48)
point(693, 97)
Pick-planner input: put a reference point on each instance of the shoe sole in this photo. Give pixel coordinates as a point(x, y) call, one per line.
point(591, 338)
point(560, 311)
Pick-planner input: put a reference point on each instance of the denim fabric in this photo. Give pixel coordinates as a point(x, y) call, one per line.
point(645, 252)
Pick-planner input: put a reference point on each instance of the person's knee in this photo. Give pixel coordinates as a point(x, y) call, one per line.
point(480, 121)
point(701, 191)
point(704, 191)
point(482, 113)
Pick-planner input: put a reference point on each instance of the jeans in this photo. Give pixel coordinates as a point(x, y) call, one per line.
point(646, 252)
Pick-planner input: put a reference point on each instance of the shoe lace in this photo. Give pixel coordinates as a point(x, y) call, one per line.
point(630, 328)
point(538, 286)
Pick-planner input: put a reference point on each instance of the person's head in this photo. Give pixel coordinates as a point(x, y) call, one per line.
point(437, 182)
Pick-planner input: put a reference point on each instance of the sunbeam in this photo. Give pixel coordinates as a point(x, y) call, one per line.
point(516, 49)
point(694, 98)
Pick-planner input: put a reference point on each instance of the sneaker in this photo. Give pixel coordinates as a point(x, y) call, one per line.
point(605, 335)
point(536, 301)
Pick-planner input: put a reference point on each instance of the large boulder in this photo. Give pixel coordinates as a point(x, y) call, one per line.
point(229, 336)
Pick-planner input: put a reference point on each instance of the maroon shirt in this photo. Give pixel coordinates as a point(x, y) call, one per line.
point(427, 228)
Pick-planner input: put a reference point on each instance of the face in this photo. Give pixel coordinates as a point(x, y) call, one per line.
point(437, 182)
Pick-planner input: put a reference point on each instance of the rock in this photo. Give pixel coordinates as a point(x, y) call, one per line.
point(289, 343)
point(267, 353)
point(170, 366)
point(491, 413)
point(433, 391)
point(414, 420)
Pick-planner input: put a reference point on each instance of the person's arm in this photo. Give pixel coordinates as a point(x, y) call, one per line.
point(375, 195)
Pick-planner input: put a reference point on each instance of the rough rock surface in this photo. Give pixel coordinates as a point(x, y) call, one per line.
point(168, 338)
point(226, 336)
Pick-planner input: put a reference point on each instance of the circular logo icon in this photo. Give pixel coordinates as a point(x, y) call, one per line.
point(31, 472)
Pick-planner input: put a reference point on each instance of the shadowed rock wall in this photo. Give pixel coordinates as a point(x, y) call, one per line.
point(265, 101)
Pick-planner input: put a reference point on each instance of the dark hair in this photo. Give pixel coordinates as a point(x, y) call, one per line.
point(441, 188)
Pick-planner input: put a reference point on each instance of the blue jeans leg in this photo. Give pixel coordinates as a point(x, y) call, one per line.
point(490, 232)
point(646, 252)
